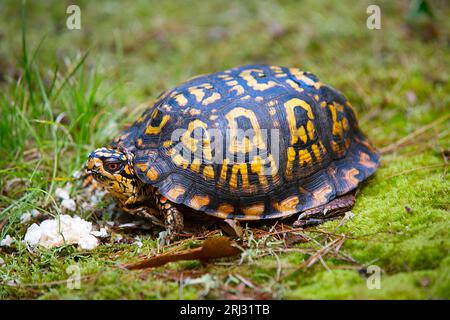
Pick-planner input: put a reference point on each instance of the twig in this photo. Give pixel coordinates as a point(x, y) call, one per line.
point(48, 284)
point(347, 216)
point(265, 233)
point(3, 223)
point(443, 153)
point(415, 169)
point(313, 259)
point(399, 143)
point(245, 281)
point(324, 264)
point(279, 267)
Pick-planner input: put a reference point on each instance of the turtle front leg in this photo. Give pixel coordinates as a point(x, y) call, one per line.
point(146, 213)
point(326, 212)
point(173, 218)
point(135, 206)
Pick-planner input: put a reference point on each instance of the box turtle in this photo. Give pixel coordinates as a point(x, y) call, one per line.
point(249, 143)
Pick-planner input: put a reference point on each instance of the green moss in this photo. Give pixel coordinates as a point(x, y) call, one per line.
point(396, 82)
point(347, 284)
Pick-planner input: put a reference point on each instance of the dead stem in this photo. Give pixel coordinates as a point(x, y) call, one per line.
point(50, 283)
point(264, 233)
point(415, 169)
point(323, 251)
point(443, 153)
point(3, 223)
point(400, 143)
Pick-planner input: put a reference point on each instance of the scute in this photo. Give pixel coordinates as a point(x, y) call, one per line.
point(322, 152)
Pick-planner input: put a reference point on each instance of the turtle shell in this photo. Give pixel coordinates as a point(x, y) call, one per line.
point(303, 149)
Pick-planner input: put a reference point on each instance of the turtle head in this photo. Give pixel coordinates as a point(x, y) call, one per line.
point(113, 169)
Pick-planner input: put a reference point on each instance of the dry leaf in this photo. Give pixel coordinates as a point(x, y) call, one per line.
point(232, 228)
point(212, 248)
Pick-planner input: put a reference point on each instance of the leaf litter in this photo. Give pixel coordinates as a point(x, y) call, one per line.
point(211, 248)
point(250, 244)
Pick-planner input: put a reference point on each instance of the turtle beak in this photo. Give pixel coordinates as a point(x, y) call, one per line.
point(93, 166)
point(93, 163)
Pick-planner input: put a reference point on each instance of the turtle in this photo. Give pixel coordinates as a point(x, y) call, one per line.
point(250, 143)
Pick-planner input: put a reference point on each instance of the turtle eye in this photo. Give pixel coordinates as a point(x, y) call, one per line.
point(112, 166)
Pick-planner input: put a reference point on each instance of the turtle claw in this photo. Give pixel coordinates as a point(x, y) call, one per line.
point(147, 214)
point(232, 228)
point(326, 212)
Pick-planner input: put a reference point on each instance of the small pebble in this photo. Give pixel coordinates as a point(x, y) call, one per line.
point(128, 225)
point(77, 174)
point(162, 238)
point(7, 241)
point(35, 213)
point(69, 204)
point(217, 33)
point(102, 233)
point(138, 242)
point(411, 96)
point(13, 283)
point(63, 194)
point(88, 242)
point(425, 282)
point(276, 29)
point(26, 217)
point(118, 238)
point(33, 235)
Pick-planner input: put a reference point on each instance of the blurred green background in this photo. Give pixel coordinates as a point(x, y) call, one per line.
point(65, 92)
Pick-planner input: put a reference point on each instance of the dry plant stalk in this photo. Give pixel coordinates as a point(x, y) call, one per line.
point(405, 140)
point(212, 248)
